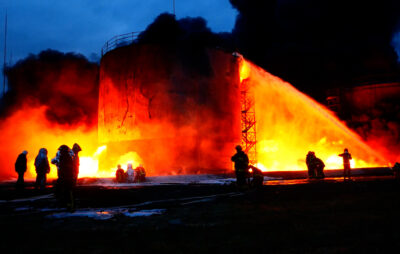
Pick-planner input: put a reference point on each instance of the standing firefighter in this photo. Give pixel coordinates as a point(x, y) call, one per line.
point(75, 159)
point(42, 168)
point(346, 163)
point(65, 181)
point(241, 161)
point(20, 168)
point(309, 161)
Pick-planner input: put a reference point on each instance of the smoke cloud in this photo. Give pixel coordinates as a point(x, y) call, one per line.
point(52, 100)
point(320, 44)
point(187, 32)
point(380, 128)
point(66, 83)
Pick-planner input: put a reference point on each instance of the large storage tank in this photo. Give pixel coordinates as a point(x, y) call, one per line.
point(179, 110)
point(362, 98)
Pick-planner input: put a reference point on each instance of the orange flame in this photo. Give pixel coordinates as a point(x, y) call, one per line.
point(289, 124)
point(28, 129)
point(89, 165)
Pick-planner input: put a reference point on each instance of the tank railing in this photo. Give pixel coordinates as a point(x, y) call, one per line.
point(119, 41)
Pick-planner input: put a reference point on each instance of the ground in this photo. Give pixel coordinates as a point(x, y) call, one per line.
point(291, 216)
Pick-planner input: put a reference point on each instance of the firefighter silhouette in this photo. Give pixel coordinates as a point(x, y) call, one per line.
point(66, 177)
point(120, 175)
point(241, 161)
point(346, 163)
point(315, 166)
point(140, 174)
point(257, 177)
point(20, 168)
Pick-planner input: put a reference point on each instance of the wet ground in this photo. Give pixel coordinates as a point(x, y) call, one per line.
point(207, 214)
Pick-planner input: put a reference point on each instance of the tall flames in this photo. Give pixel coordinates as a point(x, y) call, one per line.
point(289, 124)
point(29, 129)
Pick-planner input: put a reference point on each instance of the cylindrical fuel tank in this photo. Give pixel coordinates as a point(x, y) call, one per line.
point(177, 108)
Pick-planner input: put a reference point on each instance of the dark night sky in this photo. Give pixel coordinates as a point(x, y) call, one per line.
point(312, 44)
point(316, 45)
point(84, 25)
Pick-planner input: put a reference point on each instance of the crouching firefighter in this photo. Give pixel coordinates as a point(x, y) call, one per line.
point(315, 166)
point(66, 177)
point(319, 166)
point(241, 161)
point(120, 175)
point(258, 177)
point(140, 174)
point(396, 171)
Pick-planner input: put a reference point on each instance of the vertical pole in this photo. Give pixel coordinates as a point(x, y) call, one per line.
point(5, 52)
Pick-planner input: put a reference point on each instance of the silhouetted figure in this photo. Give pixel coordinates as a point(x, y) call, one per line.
point(42, 168)
point(309, 161)
point(20, 168)
point(241, 161)
point(130, 174)
point(396, 170)
point(75, 158)
point(258, 177)
point(65, 181)
point(315, 166)
point(319, 168)
point(346, 163)
point(140, 174)
point(120, 175)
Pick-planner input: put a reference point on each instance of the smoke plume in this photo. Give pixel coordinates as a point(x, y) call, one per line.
point(187, 32)
point(66, 83)
point(52, 100)
point(319, 44)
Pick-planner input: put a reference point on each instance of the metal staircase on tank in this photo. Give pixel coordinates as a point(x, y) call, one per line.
point(248, 122)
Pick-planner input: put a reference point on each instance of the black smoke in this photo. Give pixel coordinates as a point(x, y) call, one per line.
point(67, 83)
point(188, 38)
point(186, 32)
point(316, 45)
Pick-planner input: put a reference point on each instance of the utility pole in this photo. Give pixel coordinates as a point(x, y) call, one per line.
point(5, 55)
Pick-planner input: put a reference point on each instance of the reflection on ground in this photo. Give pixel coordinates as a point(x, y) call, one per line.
point(326, 179)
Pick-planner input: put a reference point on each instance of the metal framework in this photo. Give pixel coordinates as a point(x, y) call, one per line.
point(119, 41)
point(248, 122)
